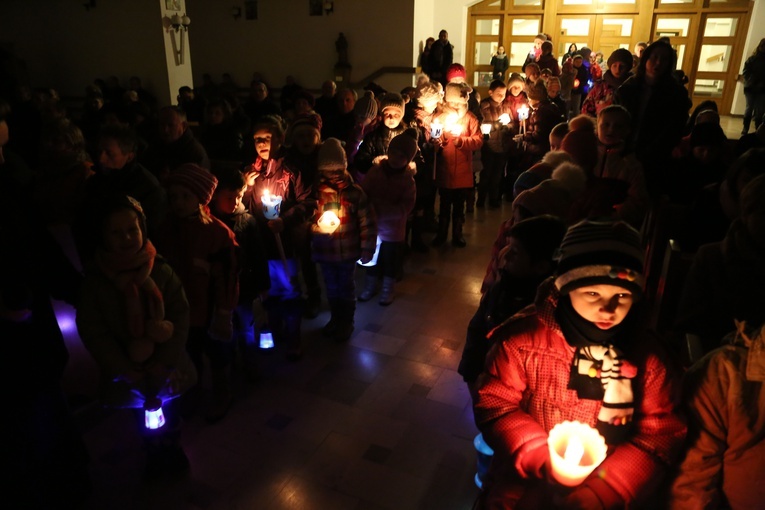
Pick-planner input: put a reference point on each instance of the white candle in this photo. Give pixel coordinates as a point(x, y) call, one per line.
point(328, 222)
point(576, 449)
point(271, 205)
point(486, 129)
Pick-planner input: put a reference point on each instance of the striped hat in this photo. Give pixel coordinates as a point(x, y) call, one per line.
point(601, 253)
point(197, 179)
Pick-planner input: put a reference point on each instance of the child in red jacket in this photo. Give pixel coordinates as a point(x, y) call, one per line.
point(580, 354)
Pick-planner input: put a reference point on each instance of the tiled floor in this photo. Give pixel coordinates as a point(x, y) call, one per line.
point(383, 422)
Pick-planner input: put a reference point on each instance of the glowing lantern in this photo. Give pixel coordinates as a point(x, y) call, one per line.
point(576, 449)
point(485, 453)
point(328, 222)
point(153, 416)
point(271, 205)
point(436, 129)
point(504, 119)
point(523, 112)
point(486, 129)
point(266, 340)
point(576, 83)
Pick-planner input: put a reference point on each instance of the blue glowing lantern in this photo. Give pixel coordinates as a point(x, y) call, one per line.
point(485, 453)
point(154, 418)
point(266, 340)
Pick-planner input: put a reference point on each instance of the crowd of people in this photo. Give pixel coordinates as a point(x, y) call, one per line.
point(200, 226)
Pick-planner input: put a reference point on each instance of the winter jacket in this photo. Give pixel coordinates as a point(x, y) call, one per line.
point(375, 144)
point(547, 61)
point(162, 158)
point(296, 207)
point(580, 87)
point(500, 136)
point(205, 257)
point(725, 282)
point(253, 271)
point(601, 95)
point(567, 77)
point(454, 165)
point(512, 103)
point(356, 236)
point(499, 65)
point(621, 166)
point(102, 325)
point(754, 74)
point(726, 457)
point(659, 115)
point(538, 126)
point(523, 393)
point(392, 193)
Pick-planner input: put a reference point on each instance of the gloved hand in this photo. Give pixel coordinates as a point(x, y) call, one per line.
point(531, 463)
point(222, 325)
point(594, 494)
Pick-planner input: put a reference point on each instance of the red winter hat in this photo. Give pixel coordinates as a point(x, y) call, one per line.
point(455, 71)
point(200, 181)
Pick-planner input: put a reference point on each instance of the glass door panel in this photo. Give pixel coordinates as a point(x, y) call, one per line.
point(672, 27)
point(681, 31)
point(714, 58)
point(487, 26)
point(525, 26)
point(527, 3)
point(720, 27)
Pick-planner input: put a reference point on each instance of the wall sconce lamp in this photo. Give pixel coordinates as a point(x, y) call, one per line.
point(236, 12)
point(329, 7)
point(180, 25)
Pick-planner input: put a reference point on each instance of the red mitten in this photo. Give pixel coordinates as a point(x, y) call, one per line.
point(531, 463)
point(594, 494)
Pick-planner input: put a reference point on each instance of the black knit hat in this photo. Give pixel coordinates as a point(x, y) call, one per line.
point(601, 253)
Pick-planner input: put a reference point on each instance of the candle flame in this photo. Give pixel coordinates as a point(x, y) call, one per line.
point(574, 451)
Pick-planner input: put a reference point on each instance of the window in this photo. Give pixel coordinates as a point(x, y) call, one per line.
point(721, 27)
point(487, 26)
point(522, 26)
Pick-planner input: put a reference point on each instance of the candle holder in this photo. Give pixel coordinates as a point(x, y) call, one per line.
point(266, 339)
point(486, 130)
point(436, 129)
point(576, 449)
point(153, 416)
point(271, 205)
point(372, 262)
point(504, 119)
point(329, 221)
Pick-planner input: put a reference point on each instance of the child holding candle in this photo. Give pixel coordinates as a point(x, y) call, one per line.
point(392, 192)
point(375, 144)
point(254, 281)
point(338, 243)
point(267, 178)
point(580, 353)
point(494, 152)
point(203, 251)
point(454, 161)
point(133, 317)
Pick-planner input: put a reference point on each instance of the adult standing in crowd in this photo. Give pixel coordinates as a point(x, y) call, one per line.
point(499, 62)
point(753, 76)
point(441, 57)
point(659, 107)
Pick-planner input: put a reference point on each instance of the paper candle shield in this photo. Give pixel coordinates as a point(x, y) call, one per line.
point(373, 262)
point(576, 449)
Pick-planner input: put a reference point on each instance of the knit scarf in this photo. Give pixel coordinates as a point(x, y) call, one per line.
point(130, 273)
point(599, 371)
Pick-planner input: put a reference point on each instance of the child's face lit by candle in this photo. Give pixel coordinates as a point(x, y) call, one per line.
point(391, 117)
point(227, 200)
point(515, 88)
point(498, 95)
point(265, 144)
point(605, 306)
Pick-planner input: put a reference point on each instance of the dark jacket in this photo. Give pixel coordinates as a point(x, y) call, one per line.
point(541, 121)
point(162, 158)
point(375, 144)
point(754, 74)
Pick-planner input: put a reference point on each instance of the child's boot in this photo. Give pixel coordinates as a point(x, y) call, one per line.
point(345, 323)
point(370, 288)
point(443, 231)
point(388, 287)
point(457, 239)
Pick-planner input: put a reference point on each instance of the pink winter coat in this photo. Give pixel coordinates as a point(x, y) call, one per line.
point(454, 166)
point(523, 393)
point(392, 194)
